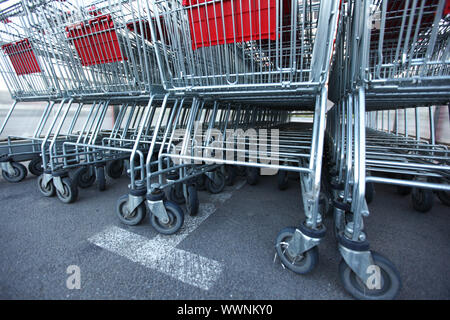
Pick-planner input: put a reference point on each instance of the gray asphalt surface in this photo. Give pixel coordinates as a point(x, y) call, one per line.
point(40, 237)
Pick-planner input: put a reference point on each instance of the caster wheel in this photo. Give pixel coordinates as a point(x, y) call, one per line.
point(83, 177)
point(114, 169)
point(282, 179)
point(48, 190)
point(390, 282)
point(230, 175)
point(20, 172)
point(193, 203)
point(176, 219)
point(252, 176)
point(70, 191)
point(444, 196)
point(200, 182)
point(301, 264)
point(101, 180)
point(370, 192)
point(130, 218)
point(176, 194)
point(35, 166)
point(422, 199)
point(217, 183)
point(403, 191)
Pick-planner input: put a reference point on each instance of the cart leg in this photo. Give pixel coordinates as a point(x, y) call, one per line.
point(365, 274)
point(297, 247)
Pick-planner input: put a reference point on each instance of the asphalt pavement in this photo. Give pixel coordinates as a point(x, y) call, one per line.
point(227, 252)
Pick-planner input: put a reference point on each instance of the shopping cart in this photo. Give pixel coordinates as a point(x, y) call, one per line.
point(85, 58)
point(93, 50)
point(114, 62)
point(425, 160)
point(259, 57)
point(389, 55)
point(28, 79)
point(32, 71)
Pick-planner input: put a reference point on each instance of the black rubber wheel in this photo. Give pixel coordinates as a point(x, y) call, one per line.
point(130, 218)
point(176, 194)
point(20, 172)
point(300, 264)
point(370, 192)
point(422, 199)
point(114, 169)
point(230, 175)
point(282, 179)
point(176, 219)
point(444, 196)
point(217, 183)
point(70, 191)
point(84, 177)
point(49, 190)
point(193, 203)
point(35, 166)
point(390, 282)
point(101, 180)
point(403, 191)
point(252, 175)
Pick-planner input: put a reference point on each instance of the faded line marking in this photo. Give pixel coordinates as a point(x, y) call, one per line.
point(185, 266)
point(190, 268)
point(161, 254)
point(192, 223)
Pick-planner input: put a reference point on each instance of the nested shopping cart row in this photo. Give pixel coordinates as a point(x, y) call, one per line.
point(205, 90)
point(391, 56)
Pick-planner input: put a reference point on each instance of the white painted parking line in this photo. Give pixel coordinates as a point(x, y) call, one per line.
point(185, 266)
point(161, 254)
point(135, 247)
point(192, 223)
point(190, 268)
